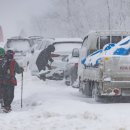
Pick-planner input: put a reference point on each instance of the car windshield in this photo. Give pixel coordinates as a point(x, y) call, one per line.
point(35, 42)
point(66, 46)
point(19, 45)
point(106, 39)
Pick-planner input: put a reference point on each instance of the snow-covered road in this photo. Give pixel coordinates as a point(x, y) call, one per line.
point(51, 105)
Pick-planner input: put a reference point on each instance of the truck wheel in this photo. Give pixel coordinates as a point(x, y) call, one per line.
point(84, 88)
point(95, 95)
point(80, 86)
point(87, 89)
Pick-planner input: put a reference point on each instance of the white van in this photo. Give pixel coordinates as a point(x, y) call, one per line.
point(21, 46)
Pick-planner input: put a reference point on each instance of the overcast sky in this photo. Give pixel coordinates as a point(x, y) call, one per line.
point(16, 13)
point(63, 17)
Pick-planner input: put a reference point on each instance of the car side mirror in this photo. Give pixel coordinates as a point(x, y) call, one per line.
point(75, 52)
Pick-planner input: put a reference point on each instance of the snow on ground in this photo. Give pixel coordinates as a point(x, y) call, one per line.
point(51, 105)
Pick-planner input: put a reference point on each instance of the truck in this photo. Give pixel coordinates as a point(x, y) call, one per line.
point(111, 78)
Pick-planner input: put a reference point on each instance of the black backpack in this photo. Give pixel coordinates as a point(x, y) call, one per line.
point(4, 69)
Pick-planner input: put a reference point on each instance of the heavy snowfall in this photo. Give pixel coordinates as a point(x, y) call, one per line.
point(50, 104)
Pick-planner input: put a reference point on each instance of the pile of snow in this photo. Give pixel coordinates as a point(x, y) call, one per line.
point(122, 48)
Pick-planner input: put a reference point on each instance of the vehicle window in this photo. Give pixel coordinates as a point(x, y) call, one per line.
point(106, 39)
point(35, 40)
point(66, 46)
point(124, 36)
point(116, 39)
point(18, 45)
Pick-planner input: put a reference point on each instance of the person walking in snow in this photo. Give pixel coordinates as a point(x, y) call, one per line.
point(44, 57)
point(10, 68)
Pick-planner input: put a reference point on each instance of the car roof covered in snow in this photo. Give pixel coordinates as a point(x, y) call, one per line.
point(93, 36)
point(18, 38)
point(66, 45)
point(58, 40)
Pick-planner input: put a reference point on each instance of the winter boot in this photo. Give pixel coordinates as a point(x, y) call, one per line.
point(1, 102)
point(7, 109)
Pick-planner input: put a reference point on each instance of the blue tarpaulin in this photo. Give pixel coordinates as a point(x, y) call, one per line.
point(121, 51)
point(108, 46)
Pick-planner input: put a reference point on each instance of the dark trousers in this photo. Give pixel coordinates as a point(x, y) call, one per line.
point(8, 95)
point(1, 92)
point(1, 95)
point(40, 67)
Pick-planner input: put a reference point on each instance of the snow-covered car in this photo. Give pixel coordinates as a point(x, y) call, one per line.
point(21, 46)
point(71, 68)
point(63, 48)
point(35, 50)
point(34, 41)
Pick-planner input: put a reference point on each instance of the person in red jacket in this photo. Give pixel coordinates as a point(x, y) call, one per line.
point(10, 68)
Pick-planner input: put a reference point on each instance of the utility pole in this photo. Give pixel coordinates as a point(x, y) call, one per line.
point(109, 20)
point(109, 16)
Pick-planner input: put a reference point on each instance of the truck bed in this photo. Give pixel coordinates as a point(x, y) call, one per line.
point(117, 68)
